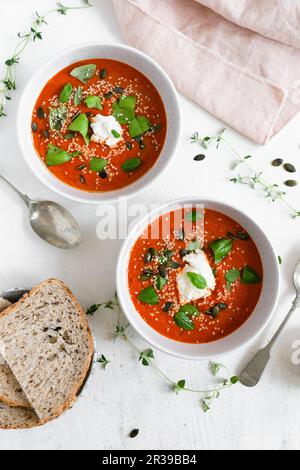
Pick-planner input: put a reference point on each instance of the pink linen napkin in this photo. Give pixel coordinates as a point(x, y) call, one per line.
point(238, 59)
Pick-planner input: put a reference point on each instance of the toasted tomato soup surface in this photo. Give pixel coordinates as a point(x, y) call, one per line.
point(240, 298)
point(111, 81)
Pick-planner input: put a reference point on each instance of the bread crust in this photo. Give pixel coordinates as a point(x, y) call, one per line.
point(72, 397)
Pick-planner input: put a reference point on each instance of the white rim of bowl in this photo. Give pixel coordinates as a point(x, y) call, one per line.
point(146, 178)
point(122, 270)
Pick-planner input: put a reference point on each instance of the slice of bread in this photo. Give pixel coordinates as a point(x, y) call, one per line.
point(10, 391)
point(47, 343)
point(17, 418)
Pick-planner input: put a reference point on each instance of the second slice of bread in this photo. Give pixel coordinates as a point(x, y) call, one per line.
point(47, 343)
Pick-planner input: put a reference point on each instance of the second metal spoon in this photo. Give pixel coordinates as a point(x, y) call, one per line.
point(254, 370)
point(51, 222)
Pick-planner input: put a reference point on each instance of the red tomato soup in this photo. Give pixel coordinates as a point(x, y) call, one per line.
point(191, 292)
point(99, 125)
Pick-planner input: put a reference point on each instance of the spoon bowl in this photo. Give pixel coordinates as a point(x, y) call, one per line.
point(54, 224)
point(297, 278)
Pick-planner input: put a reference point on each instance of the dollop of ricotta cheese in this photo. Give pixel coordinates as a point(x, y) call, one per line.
point(106, 130)
point(197, 263)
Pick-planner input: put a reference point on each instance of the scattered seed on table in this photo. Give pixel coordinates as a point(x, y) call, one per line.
point(134, 433)
point(291, 183)
point(277, 162)
point(289, 167)
point(199, 158)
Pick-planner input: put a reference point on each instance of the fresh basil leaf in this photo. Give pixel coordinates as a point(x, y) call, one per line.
point(78, 96)
point(56, 156)
point(197, 280)
point(189, 309)
point(148, 296)
point(231, 276)
point(131, 164)
point(127, 102)
point(184, 321)
point(193, 216)
point(97, 164)
point(160, 282)
point(66, 93)
point(250, 276)
point(84, 73)
point(139, 126)
point(221, 248)
point(57, 117)
point(81, 125)
point(123, 115)
point(93, 102)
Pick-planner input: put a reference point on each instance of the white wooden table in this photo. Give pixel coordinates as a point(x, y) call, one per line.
point(127, 395)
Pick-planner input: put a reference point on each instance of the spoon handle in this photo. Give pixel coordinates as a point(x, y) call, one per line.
point(254, 370)
point(25, 198)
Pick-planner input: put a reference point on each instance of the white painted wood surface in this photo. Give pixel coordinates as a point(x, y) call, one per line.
point(127, 395)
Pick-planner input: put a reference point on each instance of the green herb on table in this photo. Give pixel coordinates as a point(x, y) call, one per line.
point(231, 277)
point(8, 83)
point(66, 93)
point(254, 179)
point(103, 361)
point(148, 356)
point(279, 259)
point(221, 248)
point(110, 304)
point(56, 156)
point(93, 102)
point(80, 124)
point(84, 73)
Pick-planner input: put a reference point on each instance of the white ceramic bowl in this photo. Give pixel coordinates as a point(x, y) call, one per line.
point(248, 331)
point(126, 54)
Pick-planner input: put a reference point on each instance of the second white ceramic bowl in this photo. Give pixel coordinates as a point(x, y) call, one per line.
point(248, 331)
point(130, 56)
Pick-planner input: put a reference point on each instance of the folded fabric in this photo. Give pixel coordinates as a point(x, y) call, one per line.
point(238, 59)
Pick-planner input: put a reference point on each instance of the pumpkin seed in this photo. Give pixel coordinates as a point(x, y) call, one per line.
point(167, 307)
point(147, 273)
point(69, 135)
point(243, 236)
point(183, 253)
point(118, 89)
point(103, 174)
point(40, 112)
point(34, 126)
point(108, 95)
point(134, 433)
point(232, 236)
point(153, 252)
point(289, 167)
point(222, 306)
point(147, 257)
point(103, 73)
point(277, 162)
point(129, 145)
point(156, 128)
point(142, 144)
point(82, 179)
point(173, 264)
point(163, 271)
point(46, 134)
point(199, 158)
point(81, 167)
point(291, 183)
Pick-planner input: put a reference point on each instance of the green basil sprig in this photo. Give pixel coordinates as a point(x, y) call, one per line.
point(221, 248)
point(148, 296)
point(56, 156)
point(84, 72)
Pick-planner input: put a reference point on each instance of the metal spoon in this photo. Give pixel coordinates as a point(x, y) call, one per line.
point(50, 221)
point(254, 370)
